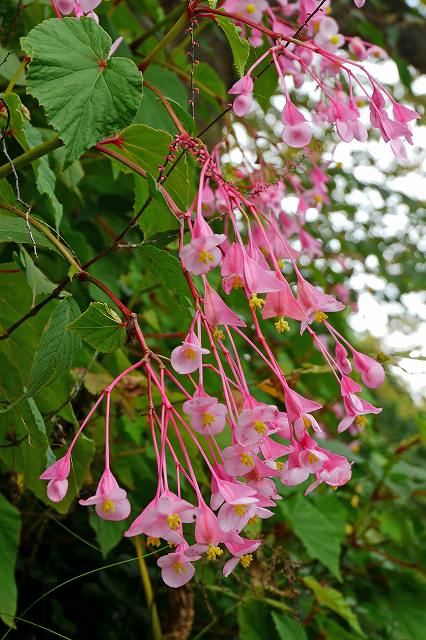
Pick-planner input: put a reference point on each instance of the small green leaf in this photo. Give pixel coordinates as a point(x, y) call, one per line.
point(240, 46)
point(157, 221)
point(288, 628)
point(36, 279)
point(72, 271)
point(10, 529)
point(108, 533)
point(101, 327)
point(334, 600)
point(86, 95)
point(56, 349)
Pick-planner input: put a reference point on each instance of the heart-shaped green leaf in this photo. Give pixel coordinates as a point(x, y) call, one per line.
point(86, 95)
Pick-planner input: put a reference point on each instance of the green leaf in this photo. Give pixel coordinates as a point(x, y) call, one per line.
point(240, 46)
point(322, 529)
point(10, 529)
point(157, 221)
point(36, 279)
point(108, 533)
point(57, 347)
point(334, 600)
point(86, 95)
point(288, 628)
point(166, 269)
point(101, 327)
point(15, 230)
point(254, 621)
point(147, 147)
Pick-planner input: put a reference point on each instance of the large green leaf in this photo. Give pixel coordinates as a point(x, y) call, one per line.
point(108, 534)
point(101, 327)
point(86, 95)
point(147, 147)
point(321, 529)
point(334, 600)
point(10, 528)
point(16, 230)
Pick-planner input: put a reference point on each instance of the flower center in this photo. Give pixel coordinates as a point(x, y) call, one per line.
point(246, 460)
point(213, 552)
point(320, 316)
point(318, 198)
point(306, 422)
point(208, 419)
point(282, 325)
point(218, 334)
point(179, 568)
point(108, 506)
point(190, 354)
point(173, 521)
point(334, 39)
point(260, 427)
point(360, 421)
point(250, 8)
point(252, 520)
point(153, 542)
point(205, 257)
point(255, 302)
point(237, 282)
point(312, 458)
point(246, 560)
point(240, 509)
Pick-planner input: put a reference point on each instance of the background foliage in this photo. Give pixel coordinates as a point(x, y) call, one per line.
point(335, 565)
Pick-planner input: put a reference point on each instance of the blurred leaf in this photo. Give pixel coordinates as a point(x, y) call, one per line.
point(10, 528)
point(108, 533)
point(334, 600)
point(16, 230)
point(101, 327)
point(240, 46)
point(288, 628)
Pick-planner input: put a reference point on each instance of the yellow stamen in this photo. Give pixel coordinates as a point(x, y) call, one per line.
point(250, 8)
point(207, 420)
point(108, 506)
point(173, 521)
point(260, 427)
point(205, 257)
point(349, 528)
point(282, 325)
point(190, 354)
point(255, 302)
point(179, 568)
point(240, 509)
point(246, 560)
point(327, 11)
point(320, 316)
point(360, 421)
point(213, 552)
point(218, 335)
point(252, 520)
point(317, 26)
point(334, 488)
point(360, 102)
point(153, 542)
point(334, 39)
point(339, 165)
point(280, 466)
point(306, 422)
point(246, 460)
point(280, 263)
point(355, 501)
point(318, 198)
point(237, 282)
point(312, 458)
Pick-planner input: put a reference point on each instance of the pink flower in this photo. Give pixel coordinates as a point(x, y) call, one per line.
point(297, 132)
point(299, 411)
point(217, 311)
point(356, 46)
point(80, 8)
point(241, 550)
point(207, 415)
point(176, 567)
point(282, 304)
point(336, 471)
point(243, 89)
point(372, 372)
point(342, 359)
point(314, 302)
point(201, 254)
point(250, 9)
point(238, 460)
point(254, 423)
point(328, 36)
point(234, 517)
point(110, 500)
point(188, 357)
point(241, 270)
point(57, 475)
point(310, 245)
point(354, 406)
point(359, 3)
point(163, 518)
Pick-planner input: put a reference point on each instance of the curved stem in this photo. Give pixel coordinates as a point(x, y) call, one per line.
point(32, 154)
